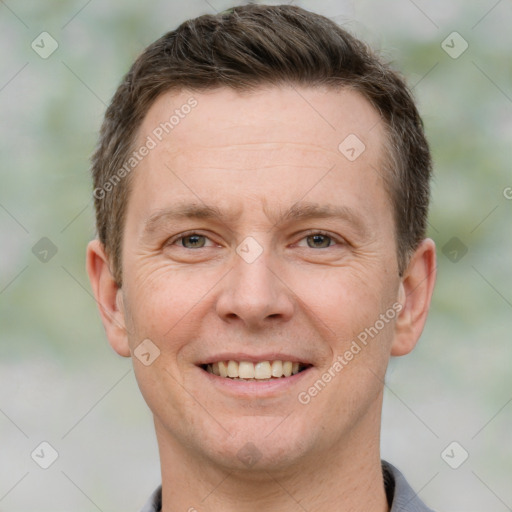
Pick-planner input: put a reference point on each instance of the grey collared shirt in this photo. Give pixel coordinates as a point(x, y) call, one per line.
point(400, 495)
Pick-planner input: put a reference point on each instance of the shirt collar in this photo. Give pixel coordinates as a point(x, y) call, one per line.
point(404, 499)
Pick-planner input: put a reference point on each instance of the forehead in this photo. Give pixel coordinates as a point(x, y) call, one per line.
point(273, 142)
point(316, 118)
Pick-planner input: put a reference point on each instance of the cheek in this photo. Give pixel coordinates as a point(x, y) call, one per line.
point(344, 301)
point(164, 304)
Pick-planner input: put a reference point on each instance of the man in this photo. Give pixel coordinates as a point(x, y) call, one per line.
point(261, 192)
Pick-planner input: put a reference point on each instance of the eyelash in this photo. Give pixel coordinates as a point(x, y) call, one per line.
point(336, 240)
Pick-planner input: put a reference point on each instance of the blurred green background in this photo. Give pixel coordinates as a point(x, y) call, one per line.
point(59, 380)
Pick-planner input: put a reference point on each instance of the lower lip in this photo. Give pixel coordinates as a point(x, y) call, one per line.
point(255, 388)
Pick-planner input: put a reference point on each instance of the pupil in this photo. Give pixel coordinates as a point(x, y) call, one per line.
point(194, 240)
point(320, 240)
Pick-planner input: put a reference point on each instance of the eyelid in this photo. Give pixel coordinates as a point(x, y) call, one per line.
point(172, 240)
point(337, 239)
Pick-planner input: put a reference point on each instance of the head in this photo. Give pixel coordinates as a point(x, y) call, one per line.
point(261, 192)
point(244, 49)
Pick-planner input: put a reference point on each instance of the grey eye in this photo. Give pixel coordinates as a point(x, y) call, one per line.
point(193, 241)
point(318, 241)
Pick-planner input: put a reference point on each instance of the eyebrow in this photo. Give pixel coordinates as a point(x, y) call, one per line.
point(300, 211)
point(307, 210)
point(182, 211)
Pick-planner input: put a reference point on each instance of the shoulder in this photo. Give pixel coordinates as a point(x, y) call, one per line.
point(400, 493)
point(154, 503)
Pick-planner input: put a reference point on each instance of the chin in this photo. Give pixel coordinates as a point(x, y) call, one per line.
point(258, 444)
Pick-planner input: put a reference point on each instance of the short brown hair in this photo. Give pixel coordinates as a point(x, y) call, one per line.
point(251, 46)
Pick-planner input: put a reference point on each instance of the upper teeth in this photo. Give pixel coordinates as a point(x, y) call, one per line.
point(249, 370)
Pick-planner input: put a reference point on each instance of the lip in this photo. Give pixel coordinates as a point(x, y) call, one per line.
point(253, 388)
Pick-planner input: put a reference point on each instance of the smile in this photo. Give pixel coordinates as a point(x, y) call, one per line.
point(261, 370)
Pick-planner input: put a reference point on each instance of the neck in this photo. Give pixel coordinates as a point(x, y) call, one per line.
point(347, 477)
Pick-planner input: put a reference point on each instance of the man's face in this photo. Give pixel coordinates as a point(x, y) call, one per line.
point(251, 237)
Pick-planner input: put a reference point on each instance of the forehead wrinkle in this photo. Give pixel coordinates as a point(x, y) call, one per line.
point(259, 167)
point(285, 153)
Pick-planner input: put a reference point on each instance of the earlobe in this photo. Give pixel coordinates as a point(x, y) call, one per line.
point(107, 294)
point(415, 294)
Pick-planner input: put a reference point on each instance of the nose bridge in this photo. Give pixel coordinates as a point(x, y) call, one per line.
point(253, 291)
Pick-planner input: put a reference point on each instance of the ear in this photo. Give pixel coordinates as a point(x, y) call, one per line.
point(108, 297)
point(415, 294)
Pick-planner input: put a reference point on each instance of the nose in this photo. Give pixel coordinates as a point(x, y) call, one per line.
point(255, 294)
